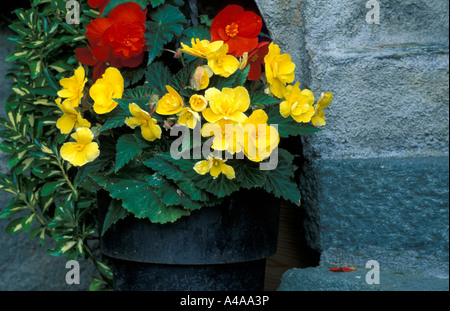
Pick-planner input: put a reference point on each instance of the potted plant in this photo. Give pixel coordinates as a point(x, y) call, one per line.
point(159, 135)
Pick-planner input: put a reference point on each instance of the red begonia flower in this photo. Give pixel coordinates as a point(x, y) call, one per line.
point(119, 39)
point(100, 4)
point(237, 28)
point(256, 60)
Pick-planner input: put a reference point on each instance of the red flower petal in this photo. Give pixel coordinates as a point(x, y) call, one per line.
point(96, 3)
point(237, 28)
point(103, 53)
point(249, 24)
point(133, 62)
point(256, 60)
point(96, 28)
point(239, 45)
point(223, 19)
point(343, 269)
point(99, 70)
point(86, 57)
point(129, 12)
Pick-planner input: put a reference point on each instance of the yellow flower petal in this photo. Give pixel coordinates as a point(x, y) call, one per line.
point(202, 167)
point(228, 171)
point(171, 103)
point(91, 152)
point(106, 89)
point(151, 132)
point(66, 123)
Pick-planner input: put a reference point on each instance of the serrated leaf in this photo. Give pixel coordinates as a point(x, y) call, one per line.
point(113, 3)
point(167, 22)
point(156, 3)
point(220, 187)
point(281, 180)
point(249, 175)
point(115, 119)
point(127, 149)
point(158, 76)
point(115, 213)
point(139, 199)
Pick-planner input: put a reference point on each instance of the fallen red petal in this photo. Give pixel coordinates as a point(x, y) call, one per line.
point(343, 269)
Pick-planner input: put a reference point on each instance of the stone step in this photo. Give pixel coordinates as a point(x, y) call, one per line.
point(322, 279)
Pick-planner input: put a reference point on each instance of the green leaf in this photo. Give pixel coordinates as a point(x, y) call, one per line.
point(115, 119)
point(167, 22)
point(158, 76)
point(248, 174)
point(51, 187)
point(221, 186)
point(113, 3)
point(261, 100)
point(127, 149)
point(104, 270)
point(139, 199)
point(281, 180)
point(115, 213)
point(288, 126)
point(14, 226)
point(156, 3)
point(27, 222)
point(12, 209)
point(132, 75)
point(242, 77)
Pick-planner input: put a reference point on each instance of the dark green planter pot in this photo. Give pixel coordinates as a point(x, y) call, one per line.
point(220, 248)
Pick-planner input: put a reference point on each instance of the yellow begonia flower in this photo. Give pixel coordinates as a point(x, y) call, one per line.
point(228, 135)
point(227, 104)
point(73, 87)
point(189, 118)
point(243, 61)
point(221, 63)
point(324, 101)
point(198, 102)
point(215, 167)
point(106, 89)
point(201, 48)
point(171, 103)
point(149, 129)
point(200, 78)
point(83, 151)
point(279, 70)
point(70, 118)
point(298, 104)
point(260, 139)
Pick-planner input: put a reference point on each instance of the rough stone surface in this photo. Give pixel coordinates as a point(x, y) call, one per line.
point(375, 181)
point(392, 210)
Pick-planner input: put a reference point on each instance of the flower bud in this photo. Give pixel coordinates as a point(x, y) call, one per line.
point(200, 78)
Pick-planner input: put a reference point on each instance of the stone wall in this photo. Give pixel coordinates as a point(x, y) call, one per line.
point(375, 181)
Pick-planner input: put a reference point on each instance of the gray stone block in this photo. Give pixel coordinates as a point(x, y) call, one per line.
point(387, 103)
point(393, 210)
point(340, 24)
